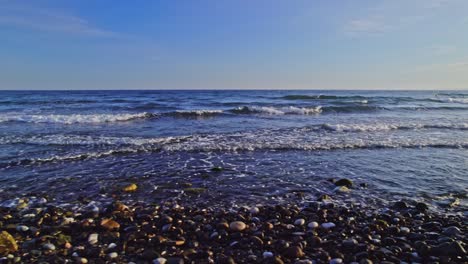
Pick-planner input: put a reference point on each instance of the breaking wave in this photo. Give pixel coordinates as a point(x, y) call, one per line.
point(74, 118)
point(277, 110)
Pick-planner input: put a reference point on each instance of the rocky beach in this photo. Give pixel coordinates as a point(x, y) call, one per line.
point(33, 230)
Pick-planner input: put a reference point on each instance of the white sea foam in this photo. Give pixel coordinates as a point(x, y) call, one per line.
point(199, 112)
point(269, 110)
point(73, 118)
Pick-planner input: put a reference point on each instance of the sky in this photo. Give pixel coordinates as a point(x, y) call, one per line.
point(234, 44)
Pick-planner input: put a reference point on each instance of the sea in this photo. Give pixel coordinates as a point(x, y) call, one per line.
point(236, 147)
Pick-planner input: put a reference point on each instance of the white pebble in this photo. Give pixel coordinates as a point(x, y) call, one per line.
point(93, 239)
point(83, 260)
point(29, 216)
point(299, 222)
point(336, 261)
point(160, 261)
point(111, 245)
point(68, 220)
point(48, 246)
point(404, 230)
point(313, 225)
point(113, 255)
point(328, 225)
point(22, 228)
point(267, 254)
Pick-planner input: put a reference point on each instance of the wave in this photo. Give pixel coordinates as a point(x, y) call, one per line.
point(387, 127)
point(87, 140)
point(74, 118)
point(277, 110)
point(215, 144)
point(196, 113)
point(453, 100)
point(322, 97)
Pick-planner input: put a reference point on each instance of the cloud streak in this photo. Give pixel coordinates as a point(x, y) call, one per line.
point(48, 20)
point(366, 26)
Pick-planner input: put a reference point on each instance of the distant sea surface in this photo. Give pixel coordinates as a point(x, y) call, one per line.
point(273, 146)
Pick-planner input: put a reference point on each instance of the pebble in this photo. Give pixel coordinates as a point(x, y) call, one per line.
point(293, 252)
point(113, 255)
point(254, 210)
point(93, 238)
point(299, 222)
point(48, 246)
point(111, 246)
point(344, 182)
point(451, 231)
point(328, 225)
point(404, 230)
point(313, 225)
point(268, 254)
point(22, 228)
point(160, 261)
point(336, 261)
point(237, 226)
point(341, 189)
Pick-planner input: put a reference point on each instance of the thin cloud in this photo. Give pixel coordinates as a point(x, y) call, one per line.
point(49, 20)
point(366, 26)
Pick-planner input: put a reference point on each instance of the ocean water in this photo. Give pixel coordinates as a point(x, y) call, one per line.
point(274, 146)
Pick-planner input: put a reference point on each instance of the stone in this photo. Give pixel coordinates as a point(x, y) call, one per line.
point(112, 245)
point(336, 261)
point(341, 189)
point(113, 255)
point(237, 226)
point(22, 228)
point(299, 222)
point(48, 246)
point(267, 254)
point(344, 182)
point(451, 231)
point(350, 243)
point(130, 188)
point(254, 210)
point(93, 239)
point(110, 224)
point(328, 225)
point(404, 230)
point(422, 207)
point(452, 249)
point(7, 243)
point(160, 261)
point(313, 225)
point(400, 205)
point(217, 169)
point(293, 252)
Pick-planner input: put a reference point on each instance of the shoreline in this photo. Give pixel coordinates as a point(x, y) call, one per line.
point(185, 232)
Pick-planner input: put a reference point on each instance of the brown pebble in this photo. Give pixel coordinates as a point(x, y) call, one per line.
point(293, 252)
point(237, 226)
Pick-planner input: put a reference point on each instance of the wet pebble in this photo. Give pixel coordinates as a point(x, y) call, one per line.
point(328, 225)
point(299, 222)
point(93, 239)
point(237, 226)
point(313, 225)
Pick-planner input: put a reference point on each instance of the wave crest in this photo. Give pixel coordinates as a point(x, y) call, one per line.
point(74, 118)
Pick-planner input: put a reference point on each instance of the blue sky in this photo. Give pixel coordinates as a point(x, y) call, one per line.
point(298, 44)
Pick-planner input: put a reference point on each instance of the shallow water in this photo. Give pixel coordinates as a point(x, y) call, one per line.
point(272, 145)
